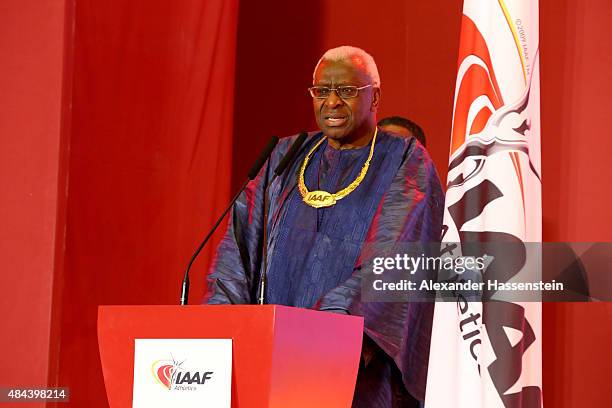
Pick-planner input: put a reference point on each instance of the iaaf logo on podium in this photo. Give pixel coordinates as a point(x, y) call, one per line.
point(171, 375)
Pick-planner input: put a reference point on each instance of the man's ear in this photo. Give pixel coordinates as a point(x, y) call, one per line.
point(375, 100)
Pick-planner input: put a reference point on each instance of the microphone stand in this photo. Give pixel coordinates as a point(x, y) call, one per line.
point(263, 157)
point(264, 276)
point(185, 286)
point(280, 169)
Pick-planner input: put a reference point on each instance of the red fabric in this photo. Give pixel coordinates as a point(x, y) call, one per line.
point(576, 145)
point(150, 161)
point(32, 182)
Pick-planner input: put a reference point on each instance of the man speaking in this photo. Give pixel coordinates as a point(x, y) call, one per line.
point(351, 185)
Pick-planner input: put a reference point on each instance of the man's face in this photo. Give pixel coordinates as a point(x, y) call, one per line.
point(345, 120)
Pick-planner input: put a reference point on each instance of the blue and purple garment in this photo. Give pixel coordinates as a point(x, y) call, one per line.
point(314, 255)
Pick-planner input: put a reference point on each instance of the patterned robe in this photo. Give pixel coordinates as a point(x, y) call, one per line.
point(315, 255)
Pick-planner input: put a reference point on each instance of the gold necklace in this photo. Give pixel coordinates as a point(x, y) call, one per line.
point(320, 198)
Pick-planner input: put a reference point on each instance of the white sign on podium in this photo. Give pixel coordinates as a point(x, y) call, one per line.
point(182, 373)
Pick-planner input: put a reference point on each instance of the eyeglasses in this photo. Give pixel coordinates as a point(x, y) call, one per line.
point(344, 92)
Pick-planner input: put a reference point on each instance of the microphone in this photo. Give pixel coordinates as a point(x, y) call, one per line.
point(280, 169)
point(251, 175)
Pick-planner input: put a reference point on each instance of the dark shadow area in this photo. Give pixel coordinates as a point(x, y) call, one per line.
point(278, 47)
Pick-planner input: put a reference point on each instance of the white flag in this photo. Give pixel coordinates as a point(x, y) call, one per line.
point(489, 354)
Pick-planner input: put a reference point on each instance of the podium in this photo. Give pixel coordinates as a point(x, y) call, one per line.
point(283, 357)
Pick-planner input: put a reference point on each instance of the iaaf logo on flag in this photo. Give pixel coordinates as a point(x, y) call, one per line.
point(489, 354)
point(171, 375)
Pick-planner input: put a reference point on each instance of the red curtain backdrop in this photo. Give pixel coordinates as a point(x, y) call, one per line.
point(141, 93)
point(576, 50)
point(32, 188)
point(150, 161)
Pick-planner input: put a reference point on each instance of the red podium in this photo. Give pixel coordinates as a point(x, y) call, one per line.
point(282, 356)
